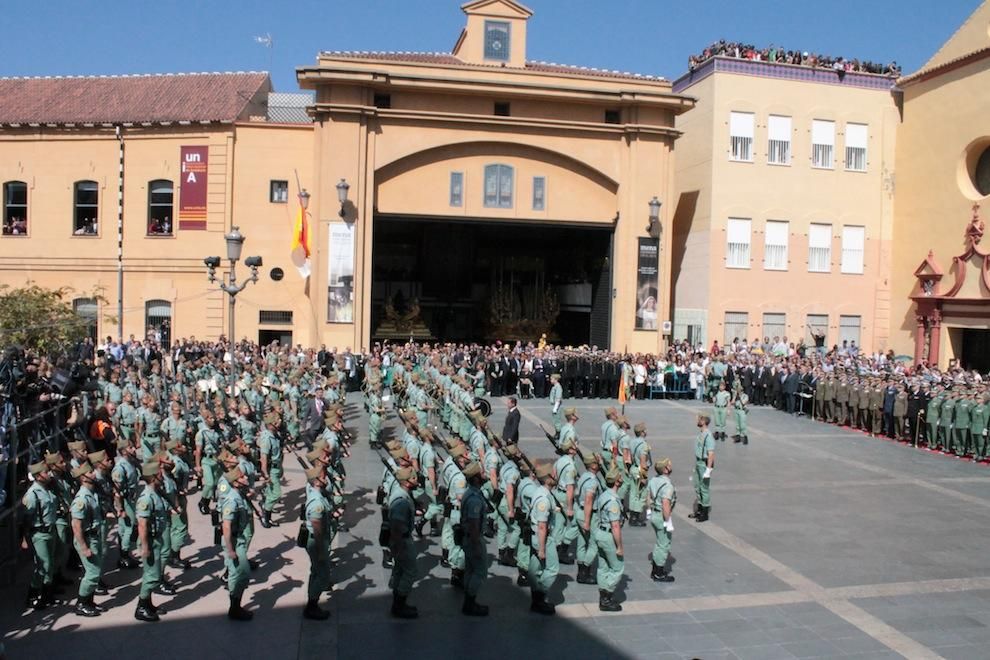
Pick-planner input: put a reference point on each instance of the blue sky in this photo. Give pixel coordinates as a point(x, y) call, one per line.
point(84, 37)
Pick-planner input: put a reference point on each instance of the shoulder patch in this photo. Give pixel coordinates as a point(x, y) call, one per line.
point(78, 505)
point(461, 483)
point(318, 508)
point(228, 509)
point(222, 488)
point(142, 505)
point(542, 506)
point(614, 508)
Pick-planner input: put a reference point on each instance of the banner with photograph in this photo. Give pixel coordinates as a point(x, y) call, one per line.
point(340, 274)
point(192, 187)
point(647, 284)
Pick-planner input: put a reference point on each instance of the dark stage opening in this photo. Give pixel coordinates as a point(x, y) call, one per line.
point(976, 350)
point(480, 281)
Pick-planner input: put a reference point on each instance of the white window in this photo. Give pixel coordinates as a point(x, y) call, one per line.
point(736, 326)
point(774, 324)
point(456, 189)
point(498, 186)
point(816, 324)
point(856, 137)
point(820, 248)
point(822, 143)
point(849, 329)
point(737, 251)
point(539, 193)
point(853, 243)
point(775, 246)
point(741, 135)
point(779, 140)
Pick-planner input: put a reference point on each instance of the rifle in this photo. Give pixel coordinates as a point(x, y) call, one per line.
point(580, 454)
point(501, 445)
point(492, 507)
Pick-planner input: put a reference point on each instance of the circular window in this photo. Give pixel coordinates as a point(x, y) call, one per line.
point(981, 173)
point(277, 274)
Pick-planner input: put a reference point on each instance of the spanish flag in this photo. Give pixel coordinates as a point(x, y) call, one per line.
point(301, 243)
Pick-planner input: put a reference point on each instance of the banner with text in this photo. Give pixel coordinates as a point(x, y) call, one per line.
point(647, 284)
point(192, 187)
point(340, 274)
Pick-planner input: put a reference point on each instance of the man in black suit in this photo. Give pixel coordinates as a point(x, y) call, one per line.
point(312, 418)
point(539, 376)
point(512, 375)
point(323, 359)
point(746, 379)
point(791, 385)
point(510, 432)
point(759, 384)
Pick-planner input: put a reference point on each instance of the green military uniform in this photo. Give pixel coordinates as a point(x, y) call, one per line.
point(179, 524)
point(87, 510)
point(401, 513)
point(741, 413)
point(945, 419)
point(151, 437)
point(234, 509)
point(474, 508)
point(961, 425)
point(565, 528)
point(542, 573)
point(556, 401)
point(611, 565)
point(63, 530)
point(841, 409)
point(40, 510)
point(151, 506)
point(641, 462)
point(661, 488)
point(932, 419)
point(318, 508)
point(208, 441)
point(979, 418)
point(702, 484)
point(126, 419)
point(456, 486)
point(427, 460)
point(270, 445)
point(524, 498)
point(125, 477)
point(375, 410)
point(721, 403)
point(175, 429)
point(876, 409)
point(610, 442)
point(587, 549)
point(900, 412)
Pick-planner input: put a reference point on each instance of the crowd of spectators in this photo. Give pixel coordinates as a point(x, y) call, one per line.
point(779, 55)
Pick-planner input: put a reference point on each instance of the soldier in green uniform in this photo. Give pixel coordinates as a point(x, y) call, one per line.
point(961, 424)
point(946, 417)
point(568, 431)
point(610, 437)
point(819, 397)
point(152, 516)
point(662, 498)
point(543, 565)
point(876, 408)
point(900, 412)
point(431, 484)
point(63, 498)
point(401, 511)
point(556, 400)
point(270, 448)
point(979, 419)
point(126, 417)
point(565, 477)
point(456, 484)
point(317, 519)
point(841, 409)
point(148, 428)
point(179, 524)
point(175, 427)
point(507, 527)
point(112, 392)
point(704, 463)
point(586, 496)
point(608, 539)
point(828, 396)
point(102, 466)
point(40, 508)
point(740, 408)
point(126, 480)
point(208, 445)
point(721, 402)
point(932, 411)
point(376, 410)
point(637, 472)
point(87, 539)
point(474, 509)
point(235, 516)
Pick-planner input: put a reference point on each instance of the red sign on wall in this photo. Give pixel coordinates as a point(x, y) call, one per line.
point(192, 187)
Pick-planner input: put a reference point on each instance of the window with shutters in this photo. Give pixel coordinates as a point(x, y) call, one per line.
point(539, 193)
point(822, 143)
point(849, 329)
point(498, 186)
point(160, 207)
point(820, 248)
point(853, 245)
point(736, 327)
point(741, 135)
point(88, 311)
point(775, 245)
point(856, 138)
point(158, 318)
point(278, 191)
point(275, 317)
point(15, 208)
point(817, 323)
point(774, 324)
point(86, 210)
point(737, 249)
point(457, 189)
point(779, 140)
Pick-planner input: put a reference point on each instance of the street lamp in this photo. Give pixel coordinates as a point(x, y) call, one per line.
point(342, 189)
point(654, 228)
point(235, 243)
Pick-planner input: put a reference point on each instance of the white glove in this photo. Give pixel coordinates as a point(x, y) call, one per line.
point(668, 525)
point(649, 514)
point(556, 407)
point(984, 432)
point(707, 474)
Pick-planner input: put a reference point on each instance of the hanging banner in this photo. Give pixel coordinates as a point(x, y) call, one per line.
point(340, 274)
point(192, 187)
point(647, 284)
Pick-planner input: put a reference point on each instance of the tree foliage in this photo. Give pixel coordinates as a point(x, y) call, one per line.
point(42, 320)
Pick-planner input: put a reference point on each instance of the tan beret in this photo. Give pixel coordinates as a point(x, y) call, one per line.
point(84, 468)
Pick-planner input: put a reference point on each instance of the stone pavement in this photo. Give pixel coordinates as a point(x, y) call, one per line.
point(822, 543)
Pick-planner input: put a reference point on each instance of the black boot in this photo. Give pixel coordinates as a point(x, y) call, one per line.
point(586, 574)
point(523, 579)
point(745, 439)
point(472, 608)
point(419, 525)
point(457, 578)
point(444, 559)
point(660, 574)
point(85, 607)
point(387, 561)
point(605, 602)
point(165, 588)
point(144, 612)
point(204, 506)
point(178, 562)
point(737, 439)
point(102, 588)
point(126, 561)
point(400, 609)
point(315, 612)
point(696, 512)
point(266, 519)
point(435, 528)
point(490, 529)
point(540, 605)
point(638, 519)
point(47, 597)
point(703, 514)
point(564, 555)
point(33, 597)
point(236, 612)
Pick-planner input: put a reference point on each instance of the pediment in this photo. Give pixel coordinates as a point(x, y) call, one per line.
point(501, 8)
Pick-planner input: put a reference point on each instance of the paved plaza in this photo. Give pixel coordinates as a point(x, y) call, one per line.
point(822, 543)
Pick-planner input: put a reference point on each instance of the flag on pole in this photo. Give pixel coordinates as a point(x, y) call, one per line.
point(622, 393)
point(301, 243)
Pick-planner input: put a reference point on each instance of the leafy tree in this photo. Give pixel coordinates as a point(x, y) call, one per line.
point(42, 320)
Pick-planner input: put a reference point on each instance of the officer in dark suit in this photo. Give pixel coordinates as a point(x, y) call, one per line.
point(917, 401)
point(510, 431)
point(323, 359)
point(539, 376)
point(792, 383)
point(759, 385)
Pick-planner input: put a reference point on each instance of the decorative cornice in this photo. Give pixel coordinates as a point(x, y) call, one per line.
point(798, 73)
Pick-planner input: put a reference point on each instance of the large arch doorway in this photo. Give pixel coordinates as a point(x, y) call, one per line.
point(480, 281)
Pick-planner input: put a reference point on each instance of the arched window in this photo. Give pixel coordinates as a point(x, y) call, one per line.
point(15, 208)
point(88, 310)
point(86, 210)
point(498, 186)
point(158, 320)
point(160, 207)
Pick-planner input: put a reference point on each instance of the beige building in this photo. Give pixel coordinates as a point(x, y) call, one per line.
point(466, 195)
point(784, 216)
point(941, 269)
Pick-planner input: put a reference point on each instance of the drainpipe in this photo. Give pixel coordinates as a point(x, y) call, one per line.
point(120, 236)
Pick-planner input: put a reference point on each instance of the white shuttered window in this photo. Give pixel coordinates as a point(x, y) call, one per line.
point(736, 327)
point(741, 135)
point(853, 244)
point(775, 246)
point(737, 250)
point(779, 140)
point(820, 248)
point(822, 143)
point(856, 138)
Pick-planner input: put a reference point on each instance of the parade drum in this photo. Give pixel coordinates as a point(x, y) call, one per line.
point(483, 406)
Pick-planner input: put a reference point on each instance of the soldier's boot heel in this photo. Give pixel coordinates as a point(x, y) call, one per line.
point(523, 579)
point(605, 602)
point(444, 559)
point(85, 607)
point(457, 578)
point(434, 529)
point(236, 612)
point(204, 506)
point(540, 605)
point(400, 609)
point(144, 612)
point(387, 561)
point(266, 519)
point(472, 608)
point(585, 575)
point(745, 439)
point(315, 612)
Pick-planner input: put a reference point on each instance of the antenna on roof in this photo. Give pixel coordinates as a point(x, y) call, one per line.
point(268, 43)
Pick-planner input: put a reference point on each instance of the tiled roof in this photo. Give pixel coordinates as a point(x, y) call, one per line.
point(962, 60)
point(448, 59)
point(179, 97)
